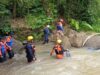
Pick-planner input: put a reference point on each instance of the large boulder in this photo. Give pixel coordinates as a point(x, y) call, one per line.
point(71, 38)
point(93, 42)
point(66, 43)
point(65, 40)
point(77, 39)
point(53, 36)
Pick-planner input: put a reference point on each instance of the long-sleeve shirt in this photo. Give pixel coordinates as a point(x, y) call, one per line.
point(46, 31)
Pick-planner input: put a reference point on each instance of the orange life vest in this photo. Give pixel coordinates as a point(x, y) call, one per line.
point(58, 49)
point(8, 38)
point(59, 56)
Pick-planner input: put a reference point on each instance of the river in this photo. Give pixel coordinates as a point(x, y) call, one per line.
point(83, 61)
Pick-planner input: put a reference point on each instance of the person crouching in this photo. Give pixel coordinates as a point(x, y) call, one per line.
point(30, 49)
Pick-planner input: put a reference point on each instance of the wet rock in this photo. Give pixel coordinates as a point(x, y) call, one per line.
point(93, 42)
point(73, 38)
point(77, 39)
point(53, 36)
point(66, 43)
point(17, 45)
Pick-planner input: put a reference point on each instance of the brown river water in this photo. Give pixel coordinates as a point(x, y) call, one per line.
point(82, 62)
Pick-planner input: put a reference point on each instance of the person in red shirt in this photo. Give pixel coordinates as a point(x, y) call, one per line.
point(60, 29)
point(2, 50)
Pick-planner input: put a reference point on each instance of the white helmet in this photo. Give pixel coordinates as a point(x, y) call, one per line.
point(48, 26)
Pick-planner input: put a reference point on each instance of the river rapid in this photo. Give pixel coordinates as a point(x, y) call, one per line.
point(83, 61)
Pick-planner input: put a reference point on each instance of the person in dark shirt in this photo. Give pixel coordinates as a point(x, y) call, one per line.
point(30, 50)
point(2, 50)
point(60, 29)
point(46, 34)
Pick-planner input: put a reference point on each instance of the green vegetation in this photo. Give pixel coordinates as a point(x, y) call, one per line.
point(37, 23)
point(4, 19)
point(82, 15)
point(80, 25)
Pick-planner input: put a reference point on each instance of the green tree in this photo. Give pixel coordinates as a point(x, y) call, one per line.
point(4, 19)
point(20, 7)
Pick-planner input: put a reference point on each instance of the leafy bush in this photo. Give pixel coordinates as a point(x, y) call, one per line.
point(96, 25)
point(74, 24)
point(4, 19)
point(82, 25)
point(85, 26)
point(37, 23)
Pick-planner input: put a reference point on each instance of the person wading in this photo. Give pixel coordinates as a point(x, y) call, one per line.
point(30, 49)
point(58, 49)
point(2, 50)
point(9, 42)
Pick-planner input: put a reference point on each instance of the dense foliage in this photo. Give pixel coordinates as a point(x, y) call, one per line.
point(80, 14)
point(4, 20)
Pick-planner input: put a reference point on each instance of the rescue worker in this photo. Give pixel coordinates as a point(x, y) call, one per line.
point(60, 29)
point(2, 50)
point(62, 21)
point(1, 57)
point(1, 60)
point(9, 42)
point(58, 50)
point(30, 49)
point(46, 34)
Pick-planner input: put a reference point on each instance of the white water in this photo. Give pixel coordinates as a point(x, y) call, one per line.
point(81, 62)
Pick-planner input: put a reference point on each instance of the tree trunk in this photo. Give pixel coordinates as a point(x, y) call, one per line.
point(45, 4)
point(14, 9)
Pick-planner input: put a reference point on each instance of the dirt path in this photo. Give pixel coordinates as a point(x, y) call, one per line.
point(81, 62)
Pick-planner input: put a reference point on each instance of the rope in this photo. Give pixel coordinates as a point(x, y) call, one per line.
point(89, 38)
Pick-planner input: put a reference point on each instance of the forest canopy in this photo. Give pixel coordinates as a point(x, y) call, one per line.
point(80, 14)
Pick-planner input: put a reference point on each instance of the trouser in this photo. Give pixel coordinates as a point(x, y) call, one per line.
point(11, 54)
point(46, 39)
point(29, 58)
point(59, 56)
point(3, 58)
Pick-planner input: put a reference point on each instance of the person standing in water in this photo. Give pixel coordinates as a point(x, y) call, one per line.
point(58, 49)
point(30, 49)
point(9, 42)
point(3, 50)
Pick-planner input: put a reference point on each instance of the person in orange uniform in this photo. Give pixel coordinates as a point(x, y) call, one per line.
point(3, 50)
point(58, 49)
point(9, 42)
